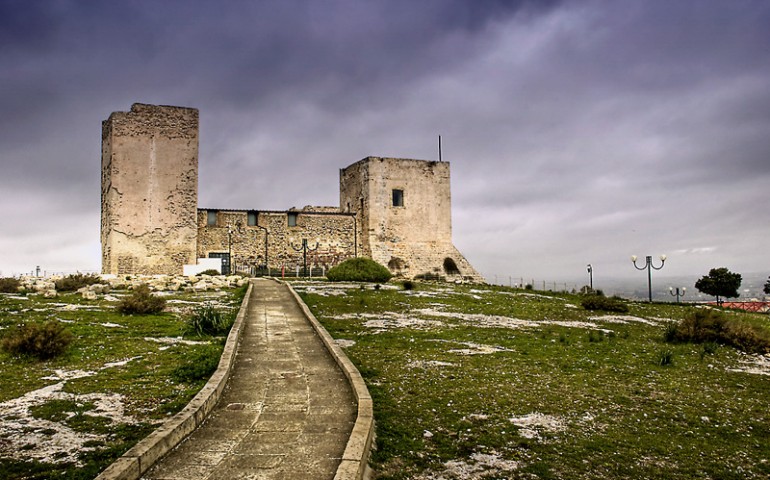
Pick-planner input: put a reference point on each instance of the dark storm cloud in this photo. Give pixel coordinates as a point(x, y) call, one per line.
point(575, 129)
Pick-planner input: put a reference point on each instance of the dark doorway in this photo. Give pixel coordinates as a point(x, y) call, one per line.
point(450, 267)
point(225, 261)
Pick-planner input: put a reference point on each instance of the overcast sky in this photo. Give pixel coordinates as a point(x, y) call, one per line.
point(578, 132)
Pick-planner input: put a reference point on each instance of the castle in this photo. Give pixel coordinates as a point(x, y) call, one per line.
point(395, 211)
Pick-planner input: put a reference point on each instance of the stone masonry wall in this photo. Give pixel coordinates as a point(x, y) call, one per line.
point(410, 239)
point(333, 231)
point(149, 190)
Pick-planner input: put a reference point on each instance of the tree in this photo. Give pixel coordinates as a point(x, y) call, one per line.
point(720, 282)
point(767, 286)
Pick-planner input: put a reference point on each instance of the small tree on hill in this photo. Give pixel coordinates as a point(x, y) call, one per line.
point(720, 282)
point(767, 286)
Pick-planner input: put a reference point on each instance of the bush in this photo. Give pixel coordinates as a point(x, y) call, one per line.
point(199, 366)
point(713, 327)
point(408, 285)
point(73, 282)
point(607, 304)
point(595, 336)
point(210, 272)
point(9, 285)
point(141, 302)
point(359, 270)
point(207, 320)
point(41, 340)
point(665, 358)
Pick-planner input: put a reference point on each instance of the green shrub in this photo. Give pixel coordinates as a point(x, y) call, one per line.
point(9, 285)
point(595, 336)
point(665, 358)
point(200, 365)
point(210, 272)
point(40, 340)
point(70, 283)
point(142, 302)
point(207, 320)
point(408, 285)
point(607, 304)
point(708, 348)
point(359, 270)
point(713, 327)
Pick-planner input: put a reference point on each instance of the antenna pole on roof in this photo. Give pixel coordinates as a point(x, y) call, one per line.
point(439, 149)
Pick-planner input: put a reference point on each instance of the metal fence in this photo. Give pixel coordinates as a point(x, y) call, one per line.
point(532, 283)
point(282, 272)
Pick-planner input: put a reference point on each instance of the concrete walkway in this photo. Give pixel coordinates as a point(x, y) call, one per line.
point(287, 411)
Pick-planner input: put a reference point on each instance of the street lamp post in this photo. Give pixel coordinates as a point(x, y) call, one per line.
point(590, 277)
point(649, 267)
point(304, 249)
point(677, 294)
point(229, 249)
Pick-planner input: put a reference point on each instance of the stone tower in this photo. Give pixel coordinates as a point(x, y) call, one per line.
point(405, 216)
point(149, 190)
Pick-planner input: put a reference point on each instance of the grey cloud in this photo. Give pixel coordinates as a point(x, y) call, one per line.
point(576, 130)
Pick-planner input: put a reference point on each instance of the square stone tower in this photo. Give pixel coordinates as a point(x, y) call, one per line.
point(404, 210)
point(149, 190)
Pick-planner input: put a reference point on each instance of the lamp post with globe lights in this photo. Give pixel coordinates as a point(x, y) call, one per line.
point(679, 293)
point(649, 267)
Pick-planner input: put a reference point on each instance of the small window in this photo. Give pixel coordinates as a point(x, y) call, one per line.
point(398, 198)
point(251, 219)
point(211, 218)
point(292, 219)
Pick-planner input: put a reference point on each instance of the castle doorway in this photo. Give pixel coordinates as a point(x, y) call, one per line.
point(225, 257)
point(450, 267)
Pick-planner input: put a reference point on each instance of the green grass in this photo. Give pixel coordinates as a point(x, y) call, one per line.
point(630, 405)
point(128, 355)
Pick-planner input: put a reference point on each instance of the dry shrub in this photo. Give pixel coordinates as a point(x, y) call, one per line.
point(711, 326)
point(141, 302)
point(73, 282)
point(9, 285)
point(607, 304)
point(40, 340)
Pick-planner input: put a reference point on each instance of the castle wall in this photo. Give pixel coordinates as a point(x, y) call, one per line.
point(409, 231)
point(334, 232)
point(149, 190)
point(395, 211)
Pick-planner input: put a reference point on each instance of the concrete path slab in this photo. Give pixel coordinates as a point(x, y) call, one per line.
point(287, 411)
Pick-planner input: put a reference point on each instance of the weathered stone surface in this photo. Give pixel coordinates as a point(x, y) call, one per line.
point(396, 211)
point(333, 233)
point(149, 189)
point(412, 236)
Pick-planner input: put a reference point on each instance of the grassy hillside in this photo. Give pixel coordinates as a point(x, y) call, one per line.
point(488, 382)
point(71, 416)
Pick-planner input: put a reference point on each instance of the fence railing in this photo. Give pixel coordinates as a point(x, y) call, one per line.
point(536, 284)
point(283, 272)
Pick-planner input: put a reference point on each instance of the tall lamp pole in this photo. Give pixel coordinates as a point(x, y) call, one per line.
point(229, 249)
point(304, 249)
point(677, 294)
point(649, 267)
point(590, 277)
